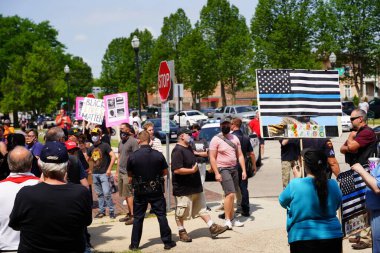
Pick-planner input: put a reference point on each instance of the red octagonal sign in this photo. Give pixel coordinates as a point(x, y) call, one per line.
point(164, 81)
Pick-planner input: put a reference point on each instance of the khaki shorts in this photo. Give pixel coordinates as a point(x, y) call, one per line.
point(190, 206)
point(125, 189)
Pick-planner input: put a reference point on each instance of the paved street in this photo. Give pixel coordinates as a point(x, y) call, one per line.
point(263, 232)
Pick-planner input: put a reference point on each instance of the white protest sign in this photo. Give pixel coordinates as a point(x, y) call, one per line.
point(93, 110)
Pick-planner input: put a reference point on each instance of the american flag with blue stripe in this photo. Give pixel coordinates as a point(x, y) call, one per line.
point(353, 190)
point(299, 92)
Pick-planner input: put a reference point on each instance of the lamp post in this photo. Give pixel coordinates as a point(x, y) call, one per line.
point(67, 72)
point(332, 59)
point(135, 45)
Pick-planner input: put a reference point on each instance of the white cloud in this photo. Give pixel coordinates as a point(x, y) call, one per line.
point(80, 37)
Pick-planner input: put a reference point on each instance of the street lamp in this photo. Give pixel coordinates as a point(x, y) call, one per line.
point(332, 59)
point(67, 72)
point(135, 45)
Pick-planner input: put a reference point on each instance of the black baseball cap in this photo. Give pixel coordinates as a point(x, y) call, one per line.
point(184, 130)
point(54, 152)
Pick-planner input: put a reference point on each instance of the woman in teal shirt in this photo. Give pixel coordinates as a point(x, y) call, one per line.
point(311, 205)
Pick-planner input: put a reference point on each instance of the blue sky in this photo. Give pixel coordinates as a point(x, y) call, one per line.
point(86, 27)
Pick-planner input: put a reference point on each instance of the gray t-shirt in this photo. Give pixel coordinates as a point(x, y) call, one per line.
point(125, 149)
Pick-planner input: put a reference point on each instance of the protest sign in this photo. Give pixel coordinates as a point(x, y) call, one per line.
point(116, 108)
point(78, 108)
point(93, 110)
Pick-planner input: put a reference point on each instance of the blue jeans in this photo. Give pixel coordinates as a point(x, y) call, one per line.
point(102, 187)
point(375, 226)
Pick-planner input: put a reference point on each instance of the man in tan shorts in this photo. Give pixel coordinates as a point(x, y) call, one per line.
point(187, 188)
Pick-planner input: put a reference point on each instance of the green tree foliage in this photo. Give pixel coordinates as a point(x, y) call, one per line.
point(198, 72)
point(80, 78)
point(282, 34)
point(226, 33)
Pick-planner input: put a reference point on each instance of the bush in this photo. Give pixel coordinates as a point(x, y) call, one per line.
point(355, 100)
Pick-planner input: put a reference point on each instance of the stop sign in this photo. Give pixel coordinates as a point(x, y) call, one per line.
point(164, 81)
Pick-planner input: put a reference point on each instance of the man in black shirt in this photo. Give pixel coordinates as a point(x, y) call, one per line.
point(290, 152)
point(246, 147)
point(52, 215)
point(146, 168)
point(187, 188)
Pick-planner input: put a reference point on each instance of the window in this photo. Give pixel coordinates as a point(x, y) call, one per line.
point(193, 113)
point(347, 91)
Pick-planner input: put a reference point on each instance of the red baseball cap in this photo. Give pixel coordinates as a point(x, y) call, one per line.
point(71, 145)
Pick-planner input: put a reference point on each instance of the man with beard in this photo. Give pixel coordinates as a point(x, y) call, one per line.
point(127, 146)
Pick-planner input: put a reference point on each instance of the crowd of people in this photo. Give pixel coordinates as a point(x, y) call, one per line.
point(41, 183)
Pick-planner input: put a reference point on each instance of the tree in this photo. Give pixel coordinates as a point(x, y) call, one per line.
point(282, 34)
point(226, 33)
point(198, 72)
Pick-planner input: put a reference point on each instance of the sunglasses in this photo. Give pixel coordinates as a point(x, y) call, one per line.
point(354, 118)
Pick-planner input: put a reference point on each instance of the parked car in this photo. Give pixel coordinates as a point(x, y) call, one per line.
point(209, 112)
point(189, 118)
point(374, 105)
point(155, 112)
point(244, 112)
point(346, 123)
point(209, 130)
point(348, 107)
point(158, 133)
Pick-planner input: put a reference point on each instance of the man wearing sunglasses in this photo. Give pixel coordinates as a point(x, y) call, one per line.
point(361, 143)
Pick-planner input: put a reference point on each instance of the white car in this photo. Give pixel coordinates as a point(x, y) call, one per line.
point(189, 118)
point(346, 122)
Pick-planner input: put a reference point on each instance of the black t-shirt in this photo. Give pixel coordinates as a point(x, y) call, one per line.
point(323, 144)
point(200, 146)
point(290, 151)
point(183, 157)
point(51, 218)
point(146, 163)
point(245, 142)
point(100, 155)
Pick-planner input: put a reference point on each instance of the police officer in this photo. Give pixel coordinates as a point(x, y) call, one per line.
point(146, 168)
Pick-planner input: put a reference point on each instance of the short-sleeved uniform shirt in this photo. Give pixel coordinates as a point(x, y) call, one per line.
point(100, 155)
point(290, 151)
point(146, 163)
point(245, 142)
point(226, 155)
point(323, 144)
point(125, 149)
point(183, 185)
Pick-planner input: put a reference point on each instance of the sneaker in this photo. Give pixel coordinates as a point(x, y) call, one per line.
point(216, 229)
point(170, 245)
point(238, 210)
point(112, 216)
point(184, 236)
point(245, 214)
point(222, 216)
point(228, 224)
point(208, 208)
point(129, 222)
point(124, 219)
point(99, 215)
point(133, 248)
point(237, 223)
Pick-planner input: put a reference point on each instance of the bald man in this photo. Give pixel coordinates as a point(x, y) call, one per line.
point(20, 163)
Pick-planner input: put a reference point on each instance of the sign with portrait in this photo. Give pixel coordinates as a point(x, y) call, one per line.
point(78, 108)
point(116, 109)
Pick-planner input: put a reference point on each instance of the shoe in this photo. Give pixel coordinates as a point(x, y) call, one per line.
point(216, 229)
point(184, 236)
point(245, 214)
point(129, 222)
point(170, 245)
point(222, 216)
point(237, 223)
point(354, 240)
point(112, 216)
point(124, 219)
point(228, 224)
point(133, 248)
point(208, 208)
point(238, 210)
point(361, 245)
point(99, 215)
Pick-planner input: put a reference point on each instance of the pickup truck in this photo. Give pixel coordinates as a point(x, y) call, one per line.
point(246, 113)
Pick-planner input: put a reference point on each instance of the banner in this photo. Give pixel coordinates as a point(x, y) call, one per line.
point(116, 109)
point(78, 108)
point(93, 110)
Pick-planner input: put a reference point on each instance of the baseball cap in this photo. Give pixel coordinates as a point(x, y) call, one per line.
point(184, 130)
point(71, 145)
point(54, 152)
point(74, 131)
point(96, 131)
point(7, 121)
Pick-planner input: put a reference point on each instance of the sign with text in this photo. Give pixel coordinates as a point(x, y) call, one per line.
point(78, 108)
point(164, 81)
point(93, 110)
point(116, 108)
point(165, 120)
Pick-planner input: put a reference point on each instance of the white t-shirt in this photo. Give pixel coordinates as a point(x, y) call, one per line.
point(364, 106)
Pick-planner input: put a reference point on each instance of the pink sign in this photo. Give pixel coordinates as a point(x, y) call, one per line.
point(116, 109)
point(78, 108)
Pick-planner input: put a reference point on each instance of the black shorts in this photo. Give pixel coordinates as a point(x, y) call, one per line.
point(261, 141)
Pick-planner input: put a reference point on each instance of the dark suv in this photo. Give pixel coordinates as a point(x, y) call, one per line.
point(155, 112)
point(348, 107)
point(374, 105)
